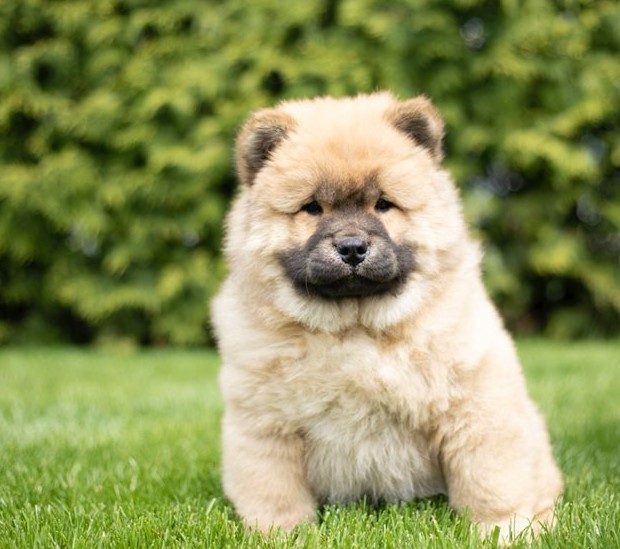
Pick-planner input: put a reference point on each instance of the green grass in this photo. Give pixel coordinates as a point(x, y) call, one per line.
point(104, 449)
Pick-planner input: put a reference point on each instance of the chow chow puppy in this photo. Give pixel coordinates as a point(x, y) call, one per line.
point(361, 354)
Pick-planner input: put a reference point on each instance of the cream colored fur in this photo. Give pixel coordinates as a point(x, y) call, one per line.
point(394, 397)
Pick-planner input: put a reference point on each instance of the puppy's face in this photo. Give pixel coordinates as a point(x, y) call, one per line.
point(349, 252)
point(344, 201)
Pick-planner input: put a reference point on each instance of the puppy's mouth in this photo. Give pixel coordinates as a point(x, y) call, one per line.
point(333, 274)
point(351, 286)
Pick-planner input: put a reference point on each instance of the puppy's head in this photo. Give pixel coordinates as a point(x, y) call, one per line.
point(344, 208)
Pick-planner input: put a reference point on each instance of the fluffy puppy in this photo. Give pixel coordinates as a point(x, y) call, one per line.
point(361, 354)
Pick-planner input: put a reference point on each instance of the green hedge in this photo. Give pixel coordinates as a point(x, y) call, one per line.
point(117, 119)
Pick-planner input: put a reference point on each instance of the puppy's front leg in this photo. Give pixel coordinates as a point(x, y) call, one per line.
point(264, 476)
point(499, 467)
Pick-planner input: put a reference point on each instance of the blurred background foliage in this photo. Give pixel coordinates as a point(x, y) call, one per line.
point(117, 119)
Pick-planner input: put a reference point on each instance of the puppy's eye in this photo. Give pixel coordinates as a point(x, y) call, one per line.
point(312, 208)
point(383, 205)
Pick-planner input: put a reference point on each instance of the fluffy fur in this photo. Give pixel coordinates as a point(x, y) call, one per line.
point(398, 382)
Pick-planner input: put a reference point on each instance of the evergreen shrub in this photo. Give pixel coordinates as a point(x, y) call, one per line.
point(117, 119)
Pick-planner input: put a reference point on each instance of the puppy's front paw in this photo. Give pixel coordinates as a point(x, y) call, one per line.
point(282, 517)
point(517, 526)
point(509, 529)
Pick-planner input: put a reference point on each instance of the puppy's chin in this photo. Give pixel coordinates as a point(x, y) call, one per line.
point(376, 311)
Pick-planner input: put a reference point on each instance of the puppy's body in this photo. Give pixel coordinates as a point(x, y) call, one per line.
point(361, 354)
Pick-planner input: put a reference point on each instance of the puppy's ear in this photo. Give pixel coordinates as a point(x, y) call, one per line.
point(420, 121)
point(257, 140)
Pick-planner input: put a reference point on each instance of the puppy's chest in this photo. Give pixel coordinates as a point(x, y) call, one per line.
point(364, 412)
point(358, 384)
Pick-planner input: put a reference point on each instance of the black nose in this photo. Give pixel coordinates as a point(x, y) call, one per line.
point(352, 250)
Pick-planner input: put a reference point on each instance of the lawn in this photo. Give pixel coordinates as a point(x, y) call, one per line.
point(110, 449)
